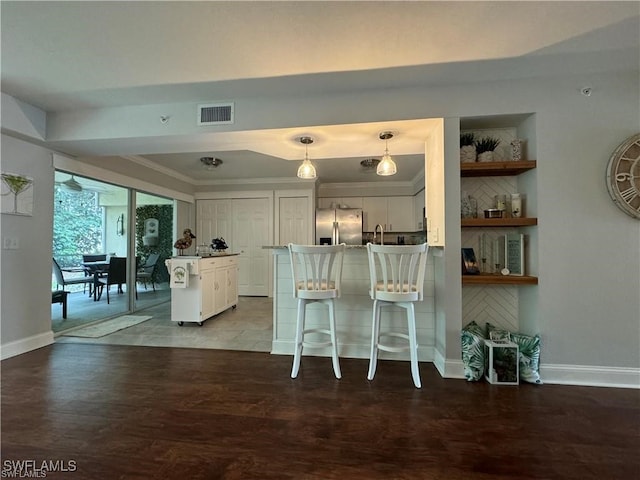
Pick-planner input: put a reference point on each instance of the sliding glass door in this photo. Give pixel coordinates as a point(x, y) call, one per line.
point(90, 250)
point(153, 245)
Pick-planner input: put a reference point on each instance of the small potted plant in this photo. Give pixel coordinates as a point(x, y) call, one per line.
point(485, 147)
point(467, 147)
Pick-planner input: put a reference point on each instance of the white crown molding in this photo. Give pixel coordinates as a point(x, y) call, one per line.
point(252, 181)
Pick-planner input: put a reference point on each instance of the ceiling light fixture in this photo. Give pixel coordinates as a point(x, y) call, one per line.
point(386, 166)
point(369, 163)
point(306, 170)
point(211, 162)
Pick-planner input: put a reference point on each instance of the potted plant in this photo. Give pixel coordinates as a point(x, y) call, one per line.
point(467, 147)
point(485, 147)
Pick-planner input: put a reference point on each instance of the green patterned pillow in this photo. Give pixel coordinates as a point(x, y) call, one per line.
point(529, 347)
point(473, 356)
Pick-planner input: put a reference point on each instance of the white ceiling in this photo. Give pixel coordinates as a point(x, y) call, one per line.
point(62, 56)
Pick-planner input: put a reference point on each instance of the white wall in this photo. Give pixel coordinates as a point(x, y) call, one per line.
point(589, 264)
point(25, 282)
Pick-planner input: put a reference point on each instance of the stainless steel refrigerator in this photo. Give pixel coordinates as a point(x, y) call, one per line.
point(341, 225)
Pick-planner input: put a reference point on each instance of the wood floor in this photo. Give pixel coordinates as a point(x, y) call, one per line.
point(125, 412)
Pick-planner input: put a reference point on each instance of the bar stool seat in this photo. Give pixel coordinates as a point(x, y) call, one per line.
point(316, 272)
point(397, 278)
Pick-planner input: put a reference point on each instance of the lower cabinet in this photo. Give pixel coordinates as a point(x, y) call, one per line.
point(211, 291)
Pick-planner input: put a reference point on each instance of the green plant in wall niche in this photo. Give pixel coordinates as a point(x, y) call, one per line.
point(164, 247)
point(485, 147)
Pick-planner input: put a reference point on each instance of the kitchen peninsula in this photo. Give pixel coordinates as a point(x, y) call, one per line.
point(354, 310)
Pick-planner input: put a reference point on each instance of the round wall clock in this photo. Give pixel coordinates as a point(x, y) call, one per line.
point(623, 176)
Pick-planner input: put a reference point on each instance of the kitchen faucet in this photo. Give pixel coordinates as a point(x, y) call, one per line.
point(381, 234)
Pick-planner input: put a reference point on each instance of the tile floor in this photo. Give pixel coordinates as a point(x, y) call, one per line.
point(249, 327)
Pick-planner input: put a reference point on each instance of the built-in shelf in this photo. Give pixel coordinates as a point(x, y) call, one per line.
point(498, 280)
point(498, 222)
point(488, 169)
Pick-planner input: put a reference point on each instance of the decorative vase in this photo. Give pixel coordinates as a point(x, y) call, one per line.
point(485, 157)
point(468, 154)
point(516, 149)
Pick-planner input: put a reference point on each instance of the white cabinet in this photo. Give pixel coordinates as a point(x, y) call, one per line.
point(395, 214)
point(213, 289)
point(374, 212)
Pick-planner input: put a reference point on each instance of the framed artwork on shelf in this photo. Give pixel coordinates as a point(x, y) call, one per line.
point(469, 262)
point(514, 253)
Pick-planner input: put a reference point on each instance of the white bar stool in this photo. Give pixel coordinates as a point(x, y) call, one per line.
point(317, 271)
point(397, 278)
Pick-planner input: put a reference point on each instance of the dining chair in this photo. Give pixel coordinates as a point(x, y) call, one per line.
point(147, 271)
point(91, 271)
point(63, 282)
point(396, 279)
point(116, 275)
point(316, 272)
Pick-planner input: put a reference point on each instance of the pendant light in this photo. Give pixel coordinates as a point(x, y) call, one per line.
point(386, 166)
point(306, 170)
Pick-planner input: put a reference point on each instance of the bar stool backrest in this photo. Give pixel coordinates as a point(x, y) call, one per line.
point(316, 270)
point(397, 272)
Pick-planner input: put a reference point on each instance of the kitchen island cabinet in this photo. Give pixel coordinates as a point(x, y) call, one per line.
point(212, 287)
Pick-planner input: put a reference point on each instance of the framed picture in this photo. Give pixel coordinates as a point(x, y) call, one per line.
point(17, 194)
point(469, 262)
point(514, 253)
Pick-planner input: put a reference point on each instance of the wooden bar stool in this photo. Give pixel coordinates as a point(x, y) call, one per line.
point(317, 271)
point(397, 278)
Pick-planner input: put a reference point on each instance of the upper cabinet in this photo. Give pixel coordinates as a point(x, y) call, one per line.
point(395, 214)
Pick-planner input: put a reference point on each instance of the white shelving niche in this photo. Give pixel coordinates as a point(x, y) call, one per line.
point(509, 302)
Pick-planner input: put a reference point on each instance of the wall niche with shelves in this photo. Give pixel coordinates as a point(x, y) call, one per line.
point(503, 300)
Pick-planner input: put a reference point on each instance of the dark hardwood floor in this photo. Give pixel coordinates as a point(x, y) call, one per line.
point(121, 412)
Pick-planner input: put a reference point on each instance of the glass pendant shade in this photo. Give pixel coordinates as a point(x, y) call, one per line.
point(307, 170)
point(386, 166)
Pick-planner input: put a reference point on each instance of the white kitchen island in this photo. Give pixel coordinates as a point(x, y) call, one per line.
point(202, 287)
point(354, 310)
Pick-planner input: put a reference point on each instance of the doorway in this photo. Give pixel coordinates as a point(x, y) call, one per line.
point(91, 226)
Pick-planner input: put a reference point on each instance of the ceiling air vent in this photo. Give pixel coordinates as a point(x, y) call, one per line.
point(215, 113)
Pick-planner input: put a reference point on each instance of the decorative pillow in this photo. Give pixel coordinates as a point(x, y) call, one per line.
point(529, 347)
point(473, 355)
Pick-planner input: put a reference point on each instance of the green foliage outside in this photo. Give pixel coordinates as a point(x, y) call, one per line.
point(77, 226)
point(164, 215)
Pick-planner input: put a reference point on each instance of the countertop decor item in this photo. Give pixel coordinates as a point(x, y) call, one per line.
point(623, 176)
point(185, 241)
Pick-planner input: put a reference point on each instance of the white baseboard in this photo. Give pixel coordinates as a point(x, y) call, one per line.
point(448, 368)
point(24, 345)
point(592, 376)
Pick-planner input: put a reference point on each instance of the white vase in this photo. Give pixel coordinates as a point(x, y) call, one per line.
point(485, 157)
point(468, 154)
